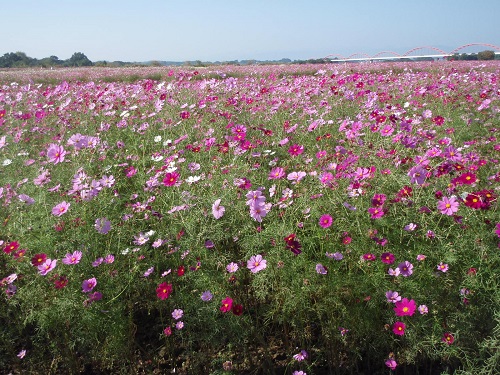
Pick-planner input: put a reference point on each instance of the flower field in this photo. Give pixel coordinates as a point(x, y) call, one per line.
point(295, 219)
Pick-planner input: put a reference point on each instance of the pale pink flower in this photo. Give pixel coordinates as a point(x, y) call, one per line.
point(217, 209)
point(47, 266)
point(55, 153)
point(448, 206)
point(60, 209)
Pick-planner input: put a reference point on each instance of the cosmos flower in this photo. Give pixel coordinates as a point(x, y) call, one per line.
point(448, 206)
point(163, 290)
point(60, 209)
point(72, 258)
point(217, 209)
point(256, 263)
point(325, 221)
point(56, 153)
point(399, 328)
point(405, 307)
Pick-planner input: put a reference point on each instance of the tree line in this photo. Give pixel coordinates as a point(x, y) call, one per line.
point(21, 60)
point(483, 55)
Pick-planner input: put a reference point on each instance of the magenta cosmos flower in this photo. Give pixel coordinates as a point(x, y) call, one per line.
point(60, 209)
point(448, 338)
point(376, 212)
point(391, 363)
point(256, 263)
point(399, 328)
point(387, 258)
point(170, 179)
point(226, 305)
point(163, 290)
point(296, 150)
point(448, 206)
point(325, 221)
point(405, 307)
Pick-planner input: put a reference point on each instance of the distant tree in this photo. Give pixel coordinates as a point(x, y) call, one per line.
point(9, 59)
point(49, 62)
point(486, 55)
point(55, 60)
point(78, 59)
point(24, 60)
point(101, 63)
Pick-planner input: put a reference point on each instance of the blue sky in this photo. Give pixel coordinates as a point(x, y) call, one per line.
point(211, 30)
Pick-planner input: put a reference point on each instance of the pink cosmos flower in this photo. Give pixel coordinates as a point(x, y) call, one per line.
point(60, 209)
point(392, 297)
point(405, 268)
point(301, 356)
point(217, 209)
point(423, 309)
point(391, 363)
point(227, 304)
point(376, 212)
point(296, 150)
point(448, 206)
point(177, 314)
point(387, 258)
point(72, 258)
point(393, 272)
point(378, 200)
point(386, 131)
point(21, 354)
point(325, 221)
point(448, 338)
point(326, 178)
point(276, 173)
point(170, 179)
point(47, 266)
point(258, 211)
point(399, 328)
point(232, 267)
point(405, 307)
point(295, 177)
point(256, 263)
point(55, 153)
point(443, 267)
point(88, 285)
point(163, 290)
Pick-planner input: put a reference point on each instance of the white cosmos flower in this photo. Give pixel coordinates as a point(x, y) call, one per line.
point(193, 179)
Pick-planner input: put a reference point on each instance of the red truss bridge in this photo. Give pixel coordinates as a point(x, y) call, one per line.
point(414, 53)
